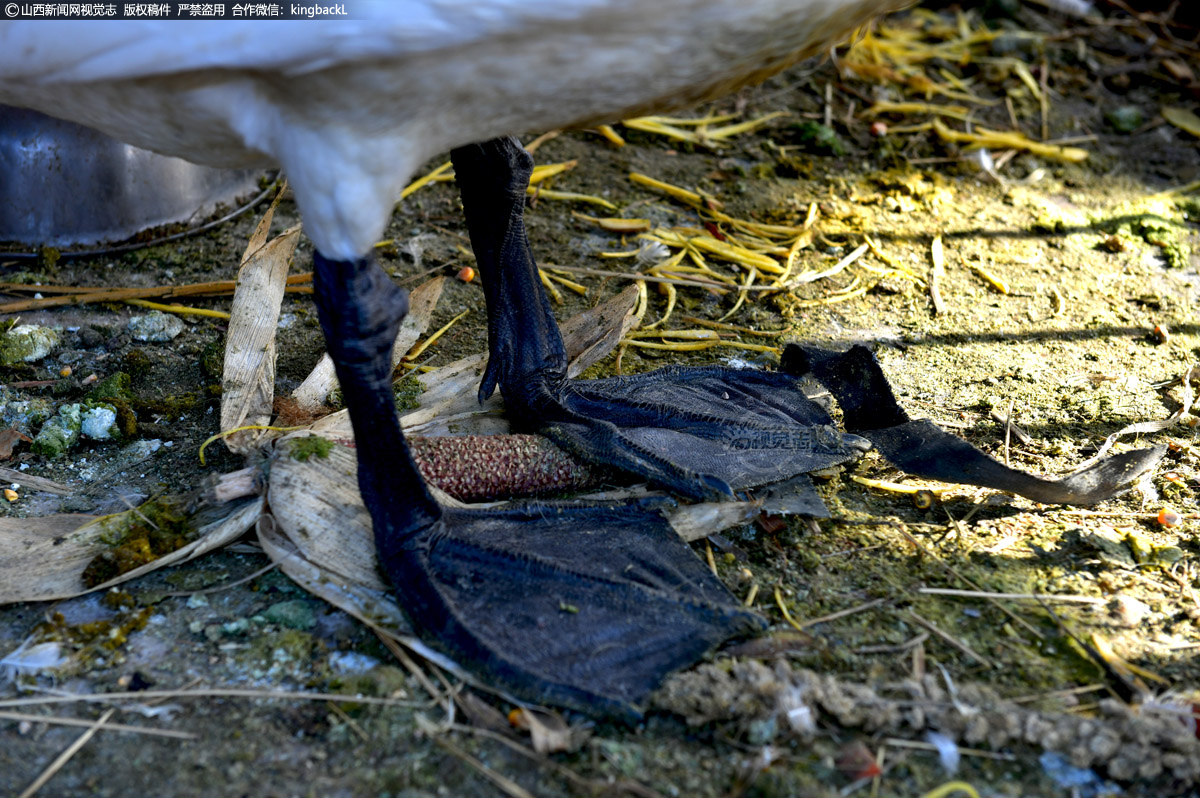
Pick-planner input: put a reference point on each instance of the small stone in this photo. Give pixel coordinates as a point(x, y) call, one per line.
point(27, 343)
point(235, 628)
point(351, 663)
point(297, 614)
point(155, 326)
point(762, 730)
point(1126, 119)
point(1110, 545)
point(1128, 611)
point(60, 433)
point(91, 338)
point(100, 423)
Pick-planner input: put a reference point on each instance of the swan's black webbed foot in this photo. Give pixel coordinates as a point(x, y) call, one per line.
point(923, 449)
point(583, 606)
point(699, 432)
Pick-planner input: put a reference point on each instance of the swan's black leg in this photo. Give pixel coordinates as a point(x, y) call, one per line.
point(360, 310)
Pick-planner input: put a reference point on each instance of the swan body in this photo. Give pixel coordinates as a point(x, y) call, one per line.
point(350, 108)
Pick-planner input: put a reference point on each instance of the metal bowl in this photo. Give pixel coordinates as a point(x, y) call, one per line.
point(64, 185)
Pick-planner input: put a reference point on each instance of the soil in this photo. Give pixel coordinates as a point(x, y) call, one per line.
point(1096, 322)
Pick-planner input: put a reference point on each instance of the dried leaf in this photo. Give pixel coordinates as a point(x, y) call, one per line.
point(591, 335)
point(259, 237)
point(777, 644)
point(8, 440)
point(1183, 119)
point(46, 557)
point(856, 761)
point(248, 386)
point(549, 731)
point(697, 521)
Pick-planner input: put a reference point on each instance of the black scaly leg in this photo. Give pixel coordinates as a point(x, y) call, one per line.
point(523, 335)
point(360, 309)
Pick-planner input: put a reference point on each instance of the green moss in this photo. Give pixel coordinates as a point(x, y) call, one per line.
point(137, 537)
point(1155, 229)
point(1189, 207)
point(116, 390)
point(304, 448)
point(48, 258)
point(96, 642)
point(817, 138)
point(382, 680)
point(1164, 235)
point(137, 363)
point(288, 653)
point(114, 387)
point(172, 406)
point(406, 392)
point(212, 360)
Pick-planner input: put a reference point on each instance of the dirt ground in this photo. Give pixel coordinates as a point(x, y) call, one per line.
point(1100, 272)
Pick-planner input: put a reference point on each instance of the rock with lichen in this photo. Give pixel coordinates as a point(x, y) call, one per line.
point(59, 433)
point(155, 326)
point(99, 423)
point(27, 343)
point(24, 415)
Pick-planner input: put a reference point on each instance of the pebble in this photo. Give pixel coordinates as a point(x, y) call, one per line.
point(351, 663)
point(27, 343)
point(1128, 611)
point(100, 423)
point(60, 433)
point(296, 614)
point(91, 338)
point(155, 326)
point(1126, 119)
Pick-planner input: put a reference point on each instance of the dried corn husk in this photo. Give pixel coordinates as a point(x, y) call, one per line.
point(46, 557)
point(248, 384)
